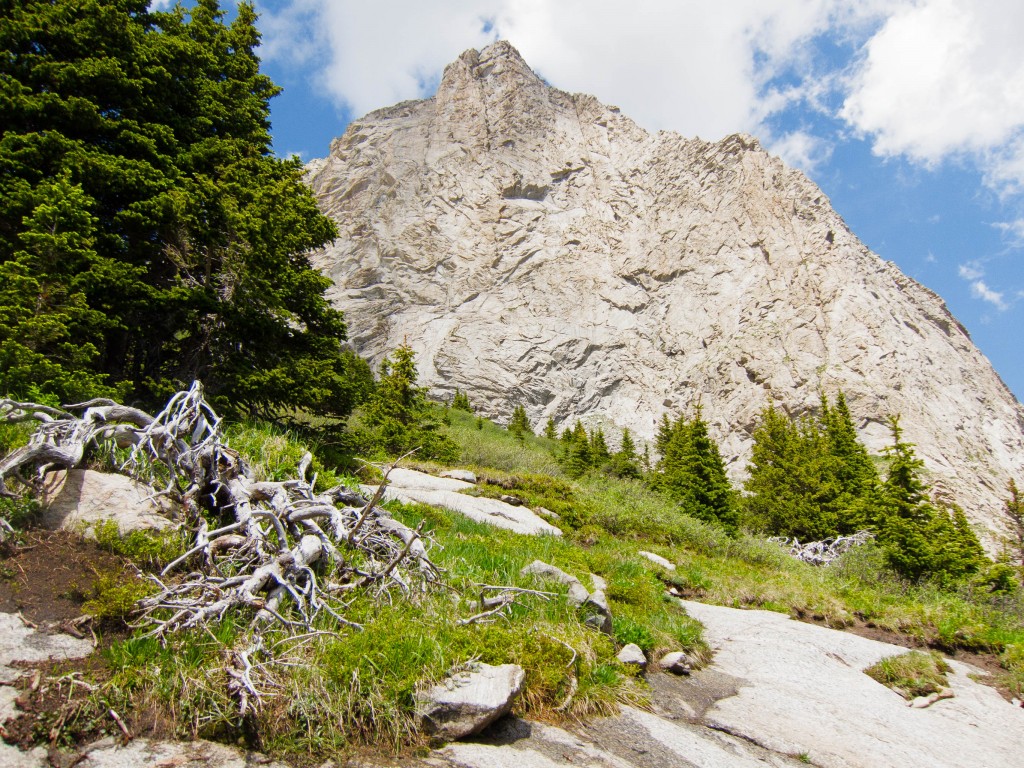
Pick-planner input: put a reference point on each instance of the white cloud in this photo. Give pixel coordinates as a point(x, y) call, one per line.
point(932, 79)
point(368, 55)
point(1013, 231)
point(691, 67)
point(971, 271)
point(943, 78)
point(981, 291)
point(802, 150)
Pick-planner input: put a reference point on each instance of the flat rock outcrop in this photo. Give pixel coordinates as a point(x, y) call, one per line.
point(537, 247)
point(411, 487)
point(801, 689)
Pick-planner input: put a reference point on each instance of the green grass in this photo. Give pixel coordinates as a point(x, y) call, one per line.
point(911, 674)
point(344, 688)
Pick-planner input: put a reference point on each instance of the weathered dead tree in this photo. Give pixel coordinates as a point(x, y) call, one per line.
point(822, 552)
point(278, 552)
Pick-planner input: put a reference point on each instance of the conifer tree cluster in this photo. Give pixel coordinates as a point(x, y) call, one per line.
point(148, 235)
point(460, 401)
point(582, 451)
point(692, 472)
point(519, 426)
point(811, 478)
point(919, 538)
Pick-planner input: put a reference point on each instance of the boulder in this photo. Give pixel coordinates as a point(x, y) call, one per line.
point(658, 560)
point(78, 499)
point(21, 643)
point(469, 701)
point(632, 654)
point(411, 487)
point(602, 615)
point(578, 594)
point(676, 662)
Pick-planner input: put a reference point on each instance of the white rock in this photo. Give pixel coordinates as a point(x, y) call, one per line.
point(460, 474)
point(658, 560)
point(599, 583)
point(411, 487)
point(147, 753)
point(21, 643)
point(537, 247)
point(470, 701)
point(602, 620)
point(676, 661)
point(802, 689)
point(577, 592)
point(80, 498)
point(632, 654)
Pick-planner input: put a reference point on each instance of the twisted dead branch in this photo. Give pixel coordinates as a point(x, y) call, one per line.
point(822, 552)
point(278, 552)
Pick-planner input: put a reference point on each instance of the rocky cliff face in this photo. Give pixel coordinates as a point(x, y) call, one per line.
point(538, 247)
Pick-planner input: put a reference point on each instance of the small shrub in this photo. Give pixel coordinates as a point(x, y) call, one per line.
point(626, 631)
point(149, 549)
point(114, 595)
point(911, 674)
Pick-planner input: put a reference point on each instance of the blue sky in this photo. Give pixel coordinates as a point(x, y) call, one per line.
point(908, 113)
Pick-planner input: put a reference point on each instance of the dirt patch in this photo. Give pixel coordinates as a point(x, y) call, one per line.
point(48, 576)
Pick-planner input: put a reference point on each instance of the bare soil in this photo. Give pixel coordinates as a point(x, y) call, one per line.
point(46, 576)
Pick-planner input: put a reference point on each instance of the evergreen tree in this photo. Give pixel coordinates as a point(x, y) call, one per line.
point(1013, 513)
point(519, 426)
point(788, 481)
point(550, 430)
point(810, 478)
point(918, 539)
point(691, 471)
point(181, 231)
point(460, 402)
point(576, 458)
point(624, 462)
point(599, 453)
point(48, 332)
point(399, 416)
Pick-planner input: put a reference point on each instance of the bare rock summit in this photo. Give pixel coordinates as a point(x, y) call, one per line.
point(537, 247)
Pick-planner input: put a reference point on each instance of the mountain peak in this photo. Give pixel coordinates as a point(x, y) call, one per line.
point(498, 61)
point(536, 247)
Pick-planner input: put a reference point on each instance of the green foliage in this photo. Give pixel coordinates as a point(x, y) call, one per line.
point(398, 417)
point(519, 426)
point(1013, 514)
point(911, 674)
point(148, 235)
point(692, 472)
point(919, 539)
point(460, 402)
point(809, 478)
point(113, 595)
point(150, 549)
point(625, 463)
point(550, 430)
point(626, 631)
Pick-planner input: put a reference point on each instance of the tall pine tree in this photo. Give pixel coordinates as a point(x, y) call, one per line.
point(191, 236)
point(692, 472)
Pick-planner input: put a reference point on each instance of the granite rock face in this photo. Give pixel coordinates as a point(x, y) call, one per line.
point(537, 247)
